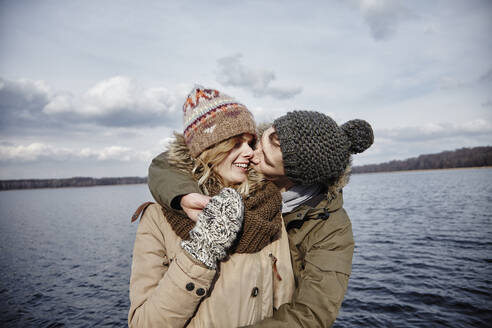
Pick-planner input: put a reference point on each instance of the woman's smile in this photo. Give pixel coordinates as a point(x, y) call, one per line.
point(234, 168)
point(242, 166)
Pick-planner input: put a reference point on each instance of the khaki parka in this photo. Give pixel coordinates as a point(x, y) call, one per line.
point(169, 289)
point(321, 245)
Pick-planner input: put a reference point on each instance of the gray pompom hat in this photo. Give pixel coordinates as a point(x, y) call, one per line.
point(315, 149)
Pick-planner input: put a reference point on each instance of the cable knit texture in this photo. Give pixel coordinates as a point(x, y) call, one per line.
point(262, 219)
point(315, 149)
point(216, 228)
point(360, 134)
point(210, 116)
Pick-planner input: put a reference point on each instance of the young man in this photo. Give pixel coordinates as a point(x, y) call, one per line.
point(308, 156)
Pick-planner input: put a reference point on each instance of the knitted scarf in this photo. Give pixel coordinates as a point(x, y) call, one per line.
point(261, 225)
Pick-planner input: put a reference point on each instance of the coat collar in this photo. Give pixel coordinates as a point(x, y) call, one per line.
point(321, 210)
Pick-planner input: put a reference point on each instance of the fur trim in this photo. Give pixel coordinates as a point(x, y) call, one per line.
point(332, 190)
point(179, 155)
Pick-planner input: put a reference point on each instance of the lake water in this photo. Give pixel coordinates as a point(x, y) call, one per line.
point(423, 252)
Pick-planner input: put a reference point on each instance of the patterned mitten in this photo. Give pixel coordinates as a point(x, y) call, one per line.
point(216, 228)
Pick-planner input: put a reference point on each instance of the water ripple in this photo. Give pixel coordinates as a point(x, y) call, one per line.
point(422, 256)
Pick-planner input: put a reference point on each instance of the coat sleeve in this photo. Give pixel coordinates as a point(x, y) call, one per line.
point(160, 287)
point(166, 183)
point(322, 282)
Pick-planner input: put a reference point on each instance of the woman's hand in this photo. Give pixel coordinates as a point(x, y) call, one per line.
point(216, 229)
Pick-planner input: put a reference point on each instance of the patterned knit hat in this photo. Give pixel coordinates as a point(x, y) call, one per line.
point(315, 149)
point(211, 117)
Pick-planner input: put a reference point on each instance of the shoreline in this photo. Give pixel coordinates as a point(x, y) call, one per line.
point(426, 170)
point(74, 182)
point(66, 187)
point(144, 182)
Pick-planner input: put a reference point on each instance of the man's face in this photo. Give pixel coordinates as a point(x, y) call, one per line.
point(267, 157)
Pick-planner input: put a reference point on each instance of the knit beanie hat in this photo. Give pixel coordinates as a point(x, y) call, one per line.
point(211, 117)
point(315, 149)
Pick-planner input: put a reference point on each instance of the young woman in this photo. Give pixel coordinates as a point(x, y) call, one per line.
point(232, 267)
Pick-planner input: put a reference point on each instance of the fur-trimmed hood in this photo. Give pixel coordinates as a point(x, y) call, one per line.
point(179, 155)
point(334, 189)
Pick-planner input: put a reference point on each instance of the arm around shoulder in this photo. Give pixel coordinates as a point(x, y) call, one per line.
point(166, 183)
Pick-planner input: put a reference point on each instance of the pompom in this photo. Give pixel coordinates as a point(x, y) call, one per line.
point(360, 135)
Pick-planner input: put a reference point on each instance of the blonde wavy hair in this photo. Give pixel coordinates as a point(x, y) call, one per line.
point(205, 164)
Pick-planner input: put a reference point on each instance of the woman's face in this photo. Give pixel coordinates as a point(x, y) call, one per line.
point(234, 168)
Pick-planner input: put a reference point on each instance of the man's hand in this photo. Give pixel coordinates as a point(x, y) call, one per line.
point(193, 204)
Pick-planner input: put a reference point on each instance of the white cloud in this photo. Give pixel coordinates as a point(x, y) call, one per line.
point(115, 153)
point(61, 102)
point(231, 72)
point(435, 131)
point(118, 102)
point(411, 141)
point(109, 95)
point(120, 93)
point(32, 152)
point(36, 152)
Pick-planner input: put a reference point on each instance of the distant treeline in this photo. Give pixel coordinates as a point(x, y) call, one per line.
point(464, 157)
point(70, 182)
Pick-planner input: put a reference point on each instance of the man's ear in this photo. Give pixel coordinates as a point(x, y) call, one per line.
point(274, 139)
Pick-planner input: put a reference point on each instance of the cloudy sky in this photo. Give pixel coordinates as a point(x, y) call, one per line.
point(94, 88)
